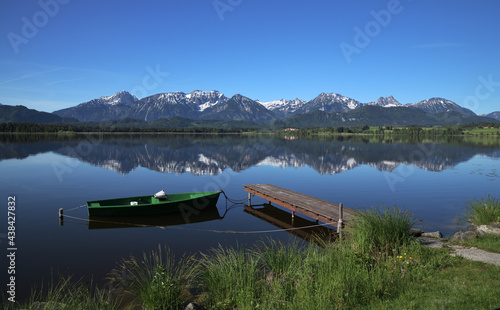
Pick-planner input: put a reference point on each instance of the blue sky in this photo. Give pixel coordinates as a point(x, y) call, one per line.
point(58, 53)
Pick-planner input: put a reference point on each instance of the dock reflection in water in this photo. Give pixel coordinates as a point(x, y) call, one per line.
point(210, 213)
point(298, 226)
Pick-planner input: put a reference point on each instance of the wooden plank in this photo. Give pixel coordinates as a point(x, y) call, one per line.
point(313, 207)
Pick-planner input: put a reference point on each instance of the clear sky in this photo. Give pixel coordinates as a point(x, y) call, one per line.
point(58, 53)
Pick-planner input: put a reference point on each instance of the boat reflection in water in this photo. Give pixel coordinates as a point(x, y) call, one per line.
point(210, 213)
point(308, 230)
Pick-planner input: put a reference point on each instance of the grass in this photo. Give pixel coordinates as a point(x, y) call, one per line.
point(157, 281)
point(230, 278)
point(66, 294)
point(376, 265)
point(382, 229)
point(482, 211)
point(483, 131)
point(462, 284)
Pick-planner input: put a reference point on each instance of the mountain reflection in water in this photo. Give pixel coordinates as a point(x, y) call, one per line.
point(212, 154)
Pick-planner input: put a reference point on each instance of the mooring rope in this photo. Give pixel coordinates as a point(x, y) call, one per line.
point(75, 208)
point(109, 222)
point(235, 202)
point(204, 230)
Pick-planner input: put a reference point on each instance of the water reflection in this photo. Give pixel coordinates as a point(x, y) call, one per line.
point(307, 230)
point(209, 154)
point(207, 214)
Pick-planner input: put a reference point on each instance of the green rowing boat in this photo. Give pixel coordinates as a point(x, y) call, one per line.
point(160, 203)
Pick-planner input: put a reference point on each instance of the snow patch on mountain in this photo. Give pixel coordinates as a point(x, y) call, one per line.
point(177, 97)
point(283, 106)
point(387, 102)
point(330, 102)
point(205, 100)
point(283, 103)
point(440, 105)
point(350, 103)
point(123, 97)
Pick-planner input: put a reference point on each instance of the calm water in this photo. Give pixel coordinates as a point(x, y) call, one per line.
point(431, 179)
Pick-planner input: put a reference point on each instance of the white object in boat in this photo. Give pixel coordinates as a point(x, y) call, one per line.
point(161, 195)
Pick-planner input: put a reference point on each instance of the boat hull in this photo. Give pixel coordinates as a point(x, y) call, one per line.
point(149, 205)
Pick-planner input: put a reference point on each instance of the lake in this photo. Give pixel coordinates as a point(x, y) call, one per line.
point(433, 179)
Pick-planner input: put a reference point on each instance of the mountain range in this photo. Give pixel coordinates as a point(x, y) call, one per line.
point(327, 109)
point(495, 115)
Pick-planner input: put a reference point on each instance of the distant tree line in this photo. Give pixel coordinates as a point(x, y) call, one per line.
point(411, 131)
point(62, 128)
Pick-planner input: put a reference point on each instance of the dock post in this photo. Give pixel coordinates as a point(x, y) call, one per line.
point(341, 216)
point(249, 199)
point(61, 218)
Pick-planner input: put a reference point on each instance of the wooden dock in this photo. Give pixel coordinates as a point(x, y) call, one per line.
point(318, 209)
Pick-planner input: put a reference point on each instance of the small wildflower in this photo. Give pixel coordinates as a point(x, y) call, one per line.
point(407, 262)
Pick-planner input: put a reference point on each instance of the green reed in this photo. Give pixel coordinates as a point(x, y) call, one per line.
point(158, 280)
point(482, 211)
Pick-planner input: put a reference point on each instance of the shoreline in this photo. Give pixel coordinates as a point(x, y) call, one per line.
point(231, 133)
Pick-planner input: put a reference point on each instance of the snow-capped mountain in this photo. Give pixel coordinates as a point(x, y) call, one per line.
point(205, 99)
point(163, 105)
point(240, 108)
point(200, 105)
point(122, 97)
point(112, 107)
point(330, 103)
point(166, 105)
point(282, 108)
point(440, 105)
point(213, 105)
point(387, 102)
point(495, 115)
